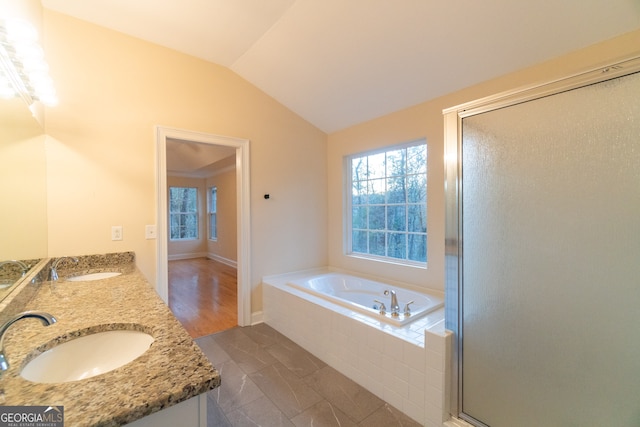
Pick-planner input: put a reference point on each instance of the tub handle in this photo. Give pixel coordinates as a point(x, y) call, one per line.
point(407, 310)
point(383, 308)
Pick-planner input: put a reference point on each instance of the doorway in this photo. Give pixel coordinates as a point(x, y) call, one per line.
point(164, 136)
point(203, 295)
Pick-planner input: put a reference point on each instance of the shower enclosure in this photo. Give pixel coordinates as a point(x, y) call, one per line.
point(543, 253)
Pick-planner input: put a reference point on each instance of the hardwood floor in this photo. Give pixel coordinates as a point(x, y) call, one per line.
point(203, 295)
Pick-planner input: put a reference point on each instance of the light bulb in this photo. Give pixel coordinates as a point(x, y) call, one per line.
point(18, 30)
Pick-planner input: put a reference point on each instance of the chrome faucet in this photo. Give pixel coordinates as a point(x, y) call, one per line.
point(395, 308)
point(45, 318)
point(54, 266)
point(381, 307)
point(20, 264)
point(407, 309)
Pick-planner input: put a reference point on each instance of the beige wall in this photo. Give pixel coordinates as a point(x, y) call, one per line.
point(226, 245)
point(180, 249)
point(113, 90)
point(426, 120)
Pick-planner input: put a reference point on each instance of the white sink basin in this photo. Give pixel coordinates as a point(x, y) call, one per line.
point(93, 276)
point(87, 356)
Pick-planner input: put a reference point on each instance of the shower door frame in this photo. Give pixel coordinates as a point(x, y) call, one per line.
point(454, 235)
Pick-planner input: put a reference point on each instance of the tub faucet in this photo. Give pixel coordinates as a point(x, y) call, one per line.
point(395, 308)
point(20, 264)
point(45, 318)
point(381, 307)
point(407, 309)
point(54, 266)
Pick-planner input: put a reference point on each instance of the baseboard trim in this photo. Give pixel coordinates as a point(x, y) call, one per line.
point(223, 260)
point(257, 317)
point(176, 257)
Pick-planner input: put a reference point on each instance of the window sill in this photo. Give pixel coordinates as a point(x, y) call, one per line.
point(410, 264)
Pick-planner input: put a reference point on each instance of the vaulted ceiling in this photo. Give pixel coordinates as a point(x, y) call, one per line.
point(337, 63)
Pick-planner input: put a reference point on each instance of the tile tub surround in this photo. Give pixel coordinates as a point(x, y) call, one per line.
point(171, 371)
point(392, 362)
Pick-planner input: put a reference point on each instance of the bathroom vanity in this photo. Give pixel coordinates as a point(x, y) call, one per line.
point(165, 386)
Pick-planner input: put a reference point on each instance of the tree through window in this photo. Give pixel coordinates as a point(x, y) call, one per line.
point(388, 203)
point(183, 213)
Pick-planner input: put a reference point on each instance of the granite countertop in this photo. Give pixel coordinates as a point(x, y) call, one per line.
point(171, 371)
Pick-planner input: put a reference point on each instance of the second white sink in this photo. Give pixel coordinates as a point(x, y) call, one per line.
point(87, 356)
point(93, 276)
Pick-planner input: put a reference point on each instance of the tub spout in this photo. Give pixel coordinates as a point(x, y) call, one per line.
point(395, 308)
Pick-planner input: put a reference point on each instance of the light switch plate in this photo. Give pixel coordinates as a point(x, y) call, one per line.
point(150, 232)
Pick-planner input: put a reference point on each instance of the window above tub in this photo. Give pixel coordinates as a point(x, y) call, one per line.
point(386, 204)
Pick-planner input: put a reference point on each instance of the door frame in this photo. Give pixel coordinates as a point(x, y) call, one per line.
point(243, 208)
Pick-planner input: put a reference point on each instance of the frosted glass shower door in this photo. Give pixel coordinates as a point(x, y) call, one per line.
point(551, 260)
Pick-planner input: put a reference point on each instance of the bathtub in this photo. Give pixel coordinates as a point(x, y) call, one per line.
point(331, 315)
point(365, 296)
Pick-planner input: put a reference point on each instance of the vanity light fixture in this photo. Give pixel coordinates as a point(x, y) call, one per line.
point(23, 69)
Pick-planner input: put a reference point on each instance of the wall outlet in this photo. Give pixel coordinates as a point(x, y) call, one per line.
point(150, 232)
point(116, 232)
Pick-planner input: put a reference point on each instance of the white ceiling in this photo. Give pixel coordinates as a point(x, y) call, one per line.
point(196, 160)
point(337, 63)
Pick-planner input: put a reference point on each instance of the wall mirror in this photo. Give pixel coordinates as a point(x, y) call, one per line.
point(23, 172)
point(23, 210)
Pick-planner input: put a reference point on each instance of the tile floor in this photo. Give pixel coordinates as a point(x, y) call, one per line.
point(268, 380)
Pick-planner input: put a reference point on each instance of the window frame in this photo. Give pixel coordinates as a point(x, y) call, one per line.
point(349, 207)
point(212, 213)
point(196, 214)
